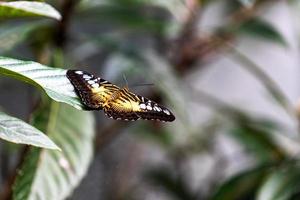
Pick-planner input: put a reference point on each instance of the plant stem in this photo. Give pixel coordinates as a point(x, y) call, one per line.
point(266, 80)
point(54, 108)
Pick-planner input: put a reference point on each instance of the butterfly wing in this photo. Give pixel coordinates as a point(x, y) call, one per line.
point(121, 106)
point(127, 116)
point(129, 106)
point(150, 110)
point(97, 93)
point(93, 91)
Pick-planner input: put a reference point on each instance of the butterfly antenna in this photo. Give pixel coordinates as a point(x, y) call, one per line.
point(137, 85)
point(142, 84)
point(125, 79)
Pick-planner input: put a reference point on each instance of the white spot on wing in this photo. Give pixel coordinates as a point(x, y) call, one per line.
point(156, 108)
point(91, 82)
point(142, 106)
point(167, 112)
point(86, 77)
point(149, 107)
point(79, 72)
point(95, 85)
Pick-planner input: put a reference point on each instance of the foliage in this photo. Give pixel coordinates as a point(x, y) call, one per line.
point(53, 81)
point(148, 41)
point(17, 131)
point(53, 175)
point(27, 9)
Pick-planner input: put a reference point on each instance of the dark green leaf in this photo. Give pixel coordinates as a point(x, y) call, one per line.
point(242, 186)
point(133, 17)
point(257, 137)
point(164, 179)
point(11, 34)
point(259, 28)
point(159, 136)
point(282, 184)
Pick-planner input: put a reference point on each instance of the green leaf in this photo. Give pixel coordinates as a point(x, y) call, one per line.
point(128, 16)
point(15, 9)
point(163, 178)
point(52, 80)
point(16, 131)
point(259, 28)
point(149, 133)
point(241, 186)
point(54, 175)
point(11, 35)
point(256, 135)
point(281, 184)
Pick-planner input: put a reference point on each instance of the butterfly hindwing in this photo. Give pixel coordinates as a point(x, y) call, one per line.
point(127, 116)
point(129, 106)
point(151, 110)
point(122, 105)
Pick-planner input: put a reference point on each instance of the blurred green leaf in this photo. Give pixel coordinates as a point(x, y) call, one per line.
point(54, 175)
point(52, 80)
point(282, 184)
point(15, 9)
point(259, 28)
point(12, 34)
point(164, 178)
point(256, 134)
point(242, 186)
point(16, 131)
point(133, 17)
point(257, 137)
point(150, 133)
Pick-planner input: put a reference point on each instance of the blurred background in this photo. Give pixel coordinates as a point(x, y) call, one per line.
point(229, 70)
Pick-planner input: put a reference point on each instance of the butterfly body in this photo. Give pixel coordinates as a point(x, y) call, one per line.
point(117, 103)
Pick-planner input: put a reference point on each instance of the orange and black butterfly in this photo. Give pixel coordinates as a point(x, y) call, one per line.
point(117, 103)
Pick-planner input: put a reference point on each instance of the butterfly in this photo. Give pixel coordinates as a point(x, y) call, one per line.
point(117, 103)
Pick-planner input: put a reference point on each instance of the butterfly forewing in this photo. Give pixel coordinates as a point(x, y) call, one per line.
point(93, 91)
